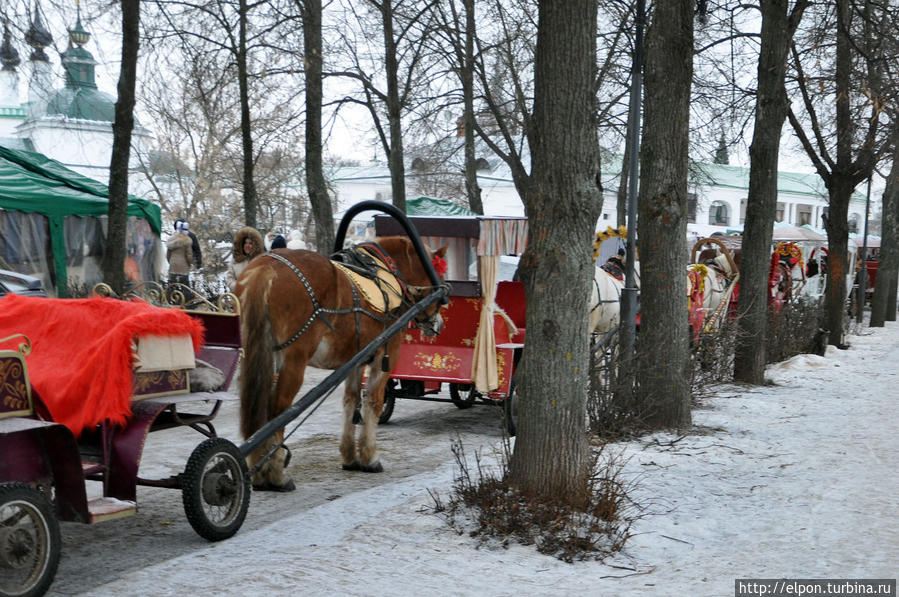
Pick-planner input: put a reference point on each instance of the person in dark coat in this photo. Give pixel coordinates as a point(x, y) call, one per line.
point(278, 243)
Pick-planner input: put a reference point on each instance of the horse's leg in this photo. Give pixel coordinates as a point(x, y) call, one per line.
point(272, 474)
point(372, 405)
point(351, 395)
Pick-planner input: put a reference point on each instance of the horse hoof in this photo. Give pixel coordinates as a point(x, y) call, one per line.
point(287, 487)
point(365, 468)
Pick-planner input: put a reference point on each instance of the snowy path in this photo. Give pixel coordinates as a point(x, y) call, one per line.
point(795, 479)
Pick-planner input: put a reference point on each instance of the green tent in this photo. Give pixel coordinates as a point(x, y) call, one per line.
point(430, 206)
point(31, 183)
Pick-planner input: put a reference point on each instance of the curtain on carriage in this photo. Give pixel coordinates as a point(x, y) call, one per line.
point(498, 236)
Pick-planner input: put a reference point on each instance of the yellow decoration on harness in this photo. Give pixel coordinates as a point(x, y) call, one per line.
point(609, 232)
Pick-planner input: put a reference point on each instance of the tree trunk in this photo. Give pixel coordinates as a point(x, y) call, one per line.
point(394, 111)
point(551, 455)
point(250, 200)
point(663, 395)
point(885, 284)
point(319, 200)
point(770, 113)
point(113, 264)
point(837, 226)
point(473, 190)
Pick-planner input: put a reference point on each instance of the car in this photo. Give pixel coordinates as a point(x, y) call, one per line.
point(17, 283)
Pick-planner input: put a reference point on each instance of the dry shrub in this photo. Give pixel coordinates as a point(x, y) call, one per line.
point(612, 408)
point(485, 505)
point(792, 331)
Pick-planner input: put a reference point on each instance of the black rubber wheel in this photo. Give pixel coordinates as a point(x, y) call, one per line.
point(390, 392)
point(29, 541)
point(216, 489)
point(510, 414)
point(463, 395)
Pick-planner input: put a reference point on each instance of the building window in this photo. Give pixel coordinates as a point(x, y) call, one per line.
point(743, 203)
point(803, 214)
point(853, 223)
point(481, 164)
point(691, 208)
point(779, 212)
point(719, 214)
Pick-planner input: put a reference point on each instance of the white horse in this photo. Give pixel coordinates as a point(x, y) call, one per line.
point(605, 298)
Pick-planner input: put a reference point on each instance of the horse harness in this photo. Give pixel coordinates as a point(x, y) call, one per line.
point(367, 260)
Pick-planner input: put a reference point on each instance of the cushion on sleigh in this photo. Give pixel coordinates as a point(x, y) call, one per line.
point(86, 354)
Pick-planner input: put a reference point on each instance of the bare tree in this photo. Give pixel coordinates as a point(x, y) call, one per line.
point(113, 264)
point(883, 304)
point(779, 23)
point(662, 349)
point(225, 26)
point(323, 215)
point(551, 452)
point(389, 77)
point(840, 121)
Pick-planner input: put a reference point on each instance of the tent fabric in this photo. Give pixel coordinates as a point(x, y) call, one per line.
point(431, 206)
point(32, 183)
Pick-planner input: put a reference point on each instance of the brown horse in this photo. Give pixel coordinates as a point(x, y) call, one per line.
point(300, 308)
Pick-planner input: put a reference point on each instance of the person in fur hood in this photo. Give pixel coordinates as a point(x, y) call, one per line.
point(247, 245)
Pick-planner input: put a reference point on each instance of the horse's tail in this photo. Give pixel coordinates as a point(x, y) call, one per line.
point(257, 371)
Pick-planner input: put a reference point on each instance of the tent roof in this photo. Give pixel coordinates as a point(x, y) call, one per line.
point(33, 183)
point(431, 206)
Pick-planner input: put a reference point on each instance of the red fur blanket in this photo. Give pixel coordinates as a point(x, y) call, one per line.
point(81, 359)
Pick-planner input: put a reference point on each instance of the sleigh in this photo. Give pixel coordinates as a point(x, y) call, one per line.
point(84, 468)
point(484, 329)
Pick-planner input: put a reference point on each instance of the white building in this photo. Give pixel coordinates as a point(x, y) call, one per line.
point(717, 200)
point(65, 116)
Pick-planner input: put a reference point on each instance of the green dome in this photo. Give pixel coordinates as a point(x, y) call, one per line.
point(85, 103)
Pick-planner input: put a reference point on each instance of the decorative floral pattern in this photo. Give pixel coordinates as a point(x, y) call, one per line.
point(437, 362)
point(14, 389)
point(156, 382)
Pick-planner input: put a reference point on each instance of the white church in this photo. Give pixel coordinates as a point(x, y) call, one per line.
point(57, 110)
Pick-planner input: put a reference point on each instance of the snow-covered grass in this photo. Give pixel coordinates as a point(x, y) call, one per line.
point(794, 479)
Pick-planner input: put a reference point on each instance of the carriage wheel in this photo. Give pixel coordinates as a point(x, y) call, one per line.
point(29, 541)
point(463, 401)
point(510, 410)
point(216, 489)
point(391, 391)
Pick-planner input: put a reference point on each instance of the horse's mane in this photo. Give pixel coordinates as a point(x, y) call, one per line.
point(402, 251)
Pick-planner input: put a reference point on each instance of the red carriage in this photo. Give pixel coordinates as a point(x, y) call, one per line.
point(484, 331)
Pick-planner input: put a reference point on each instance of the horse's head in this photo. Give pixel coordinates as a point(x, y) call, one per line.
point(415, 276)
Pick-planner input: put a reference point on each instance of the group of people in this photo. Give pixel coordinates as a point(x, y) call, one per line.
point(183, 251)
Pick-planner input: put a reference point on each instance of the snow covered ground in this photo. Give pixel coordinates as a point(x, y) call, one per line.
point(795, 479)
